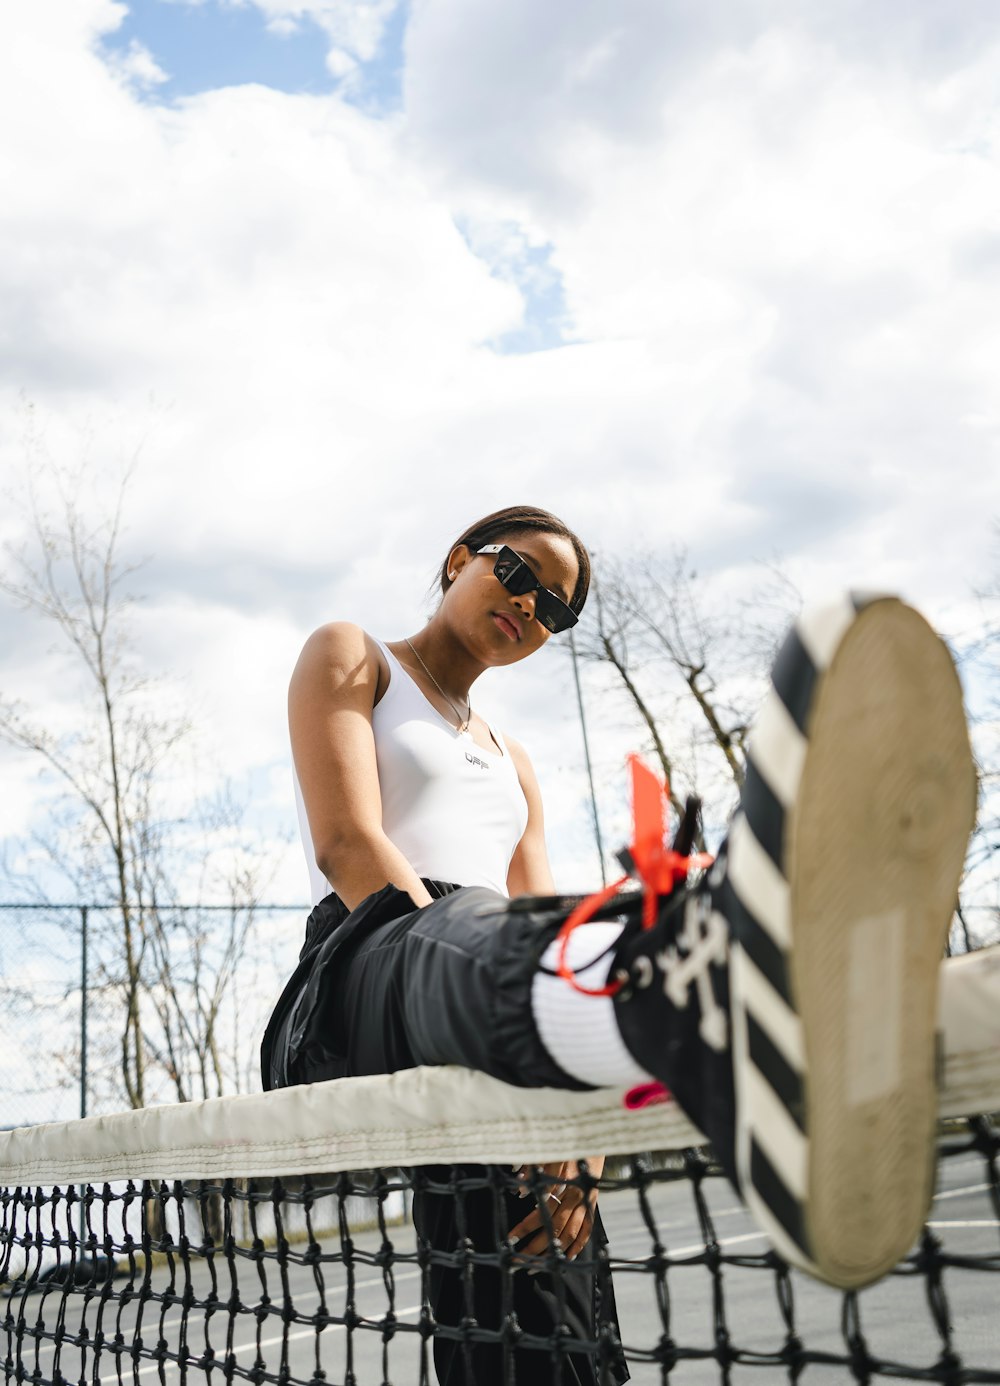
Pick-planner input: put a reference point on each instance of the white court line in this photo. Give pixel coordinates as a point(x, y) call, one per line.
point(980, 1222)
point(737, 1208)
point(238, 1348)
point(622, 1234)
point(152, 1321)
point(410, 1309)
point(957, 1193)
point(699, 1246)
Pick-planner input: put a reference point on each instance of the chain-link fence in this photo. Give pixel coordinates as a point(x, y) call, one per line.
point(167, 1004)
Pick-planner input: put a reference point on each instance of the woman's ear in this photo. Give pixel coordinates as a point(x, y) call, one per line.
point(460, 555)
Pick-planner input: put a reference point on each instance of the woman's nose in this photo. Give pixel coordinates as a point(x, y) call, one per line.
point(525, 601)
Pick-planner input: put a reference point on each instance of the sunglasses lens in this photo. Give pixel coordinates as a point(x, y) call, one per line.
point(554, 614)
point(518, 579)
point(514, 573)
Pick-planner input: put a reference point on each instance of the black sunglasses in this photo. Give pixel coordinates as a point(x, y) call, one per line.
point(511, 569)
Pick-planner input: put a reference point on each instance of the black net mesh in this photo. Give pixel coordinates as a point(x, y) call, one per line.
point(411, 1276)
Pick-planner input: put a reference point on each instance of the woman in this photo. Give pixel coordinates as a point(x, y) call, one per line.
point(787, 1000)
point(401, 782)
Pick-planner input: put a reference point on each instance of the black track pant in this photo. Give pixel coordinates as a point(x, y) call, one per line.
point(387, 987)
point(450, 984)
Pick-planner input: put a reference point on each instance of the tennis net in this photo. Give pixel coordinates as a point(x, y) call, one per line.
point(353, 1231)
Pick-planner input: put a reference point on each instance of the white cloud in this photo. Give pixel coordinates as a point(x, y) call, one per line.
point(784, 231)
point(136, 65)
point(777, 259)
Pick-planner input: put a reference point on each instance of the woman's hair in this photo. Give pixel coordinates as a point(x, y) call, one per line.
point(523, 519)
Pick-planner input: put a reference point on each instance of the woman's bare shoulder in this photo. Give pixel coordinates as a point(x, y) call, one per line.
point(338, 636)
point(340, 649)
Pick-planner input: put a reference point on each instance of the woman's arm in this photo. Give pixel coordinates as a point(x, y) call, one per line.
point(529, 872)
point(330, 701)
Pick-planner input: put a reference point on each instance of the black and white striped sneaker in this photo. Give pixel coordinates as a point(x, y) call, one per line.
point(796, 1012)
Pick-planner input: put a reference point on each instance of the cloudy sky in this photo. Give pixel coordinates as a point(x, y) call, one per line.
point(346, 274)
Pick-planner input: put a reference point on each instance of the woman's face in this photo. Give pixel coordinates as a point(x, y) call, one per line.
point(497, 625)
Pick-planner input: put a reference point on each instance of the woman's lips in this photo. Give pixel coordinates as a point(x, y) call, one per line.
point(507, 626)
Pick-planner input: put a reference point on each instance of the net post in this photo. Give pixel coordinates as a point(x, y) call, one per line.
point(586, 755)
point(84, 913)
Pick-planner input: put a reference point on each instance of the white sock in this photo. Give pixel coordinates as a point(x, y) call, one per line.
point(580, 1032)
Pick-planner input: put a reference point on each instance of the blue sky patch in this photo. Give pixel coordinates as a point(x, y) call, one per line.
point(545, 318)
point(382, 90)
point(202, 47)
point(530, 270)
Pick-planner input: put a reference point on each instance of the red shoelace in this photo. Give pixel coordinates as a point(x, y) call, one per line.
point(659, 868)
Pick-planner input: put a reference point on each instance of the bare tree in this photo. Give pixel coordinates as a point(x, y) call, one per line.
point(195, 955)
point(979, 653)
point(71, 576)
point(112, 837)
point(690, 663)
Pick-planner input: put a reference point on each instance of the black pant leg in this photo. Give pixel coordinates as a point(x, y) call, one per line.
point(450, 984)
point(584, 1303)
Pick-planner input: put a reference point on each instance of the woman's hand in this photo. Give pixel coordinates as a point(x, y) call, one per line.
point(570, 1211)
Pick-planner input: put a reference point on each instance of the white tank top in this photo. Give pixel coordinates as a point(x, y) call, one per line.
point(454, 810)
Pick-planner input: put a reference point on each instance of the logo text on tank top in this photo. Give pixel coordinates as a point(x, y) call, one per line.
point(475, 760)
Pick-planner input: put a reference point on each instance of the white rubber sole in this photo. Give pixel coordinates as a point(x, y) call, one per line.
point(875, 844)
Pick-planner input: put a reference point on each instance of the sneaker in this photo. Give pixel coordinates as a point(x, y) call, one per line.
point(801, 975)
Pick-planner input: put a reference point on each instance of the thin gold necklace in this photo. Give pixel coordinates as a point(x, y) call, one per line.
point(463, 724)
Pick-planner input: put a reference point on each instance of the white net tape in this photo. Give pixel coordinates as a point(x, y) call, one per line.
point(440, 1116)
